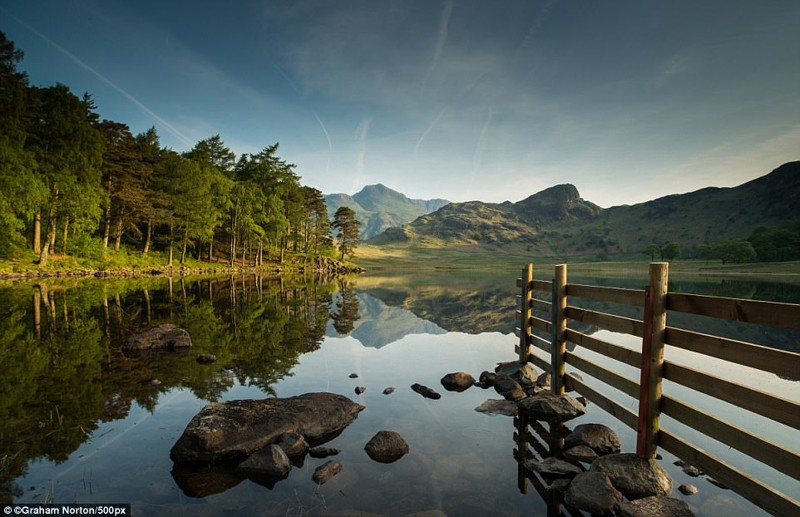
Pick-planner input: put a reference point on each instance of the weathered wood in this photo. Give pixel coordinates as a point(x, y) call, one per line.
point(754, 490)
point(610, 406)
point(775, 314)
point(780, 458)
point(541, 324)
point(540, 343)
point(762, 403)
point(655, 322)
point(605, 320)
point(619, 353)
point(525, 311)
point(541, 285)
point(541, 305)
point(607, 294)
point(779, 362)
point(559, 330)
point(615, 380)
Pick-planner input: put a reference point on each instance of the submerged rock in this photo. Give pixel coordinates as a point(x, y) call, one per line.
point(458, 381)
point(508, 388)
point(386, 447)
point(521, 371)
point(554, 467)
point(326, 471)
point(360, 389)
point(580, 453)
point(388, 391)
point(593, 493)
point(206, 358)
point(600, 438)
point(166, 336)
point(237, 428)
point(498, 407)
point(486, 379)
point(635, 477)
point(323, 452)
point(655, 506)
point(293, 444)
point(269, 461)
point(552, 408)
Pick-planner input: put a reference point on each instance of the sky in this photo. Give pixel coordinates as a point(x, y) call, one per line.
point(628, 100)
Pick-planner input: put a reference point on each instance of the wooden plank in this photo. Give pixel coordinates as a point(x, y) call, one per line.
point(779, 362)
point(541, 324)
point(607, 321)
point(762, 403)
point(625, 385)
point(775, 314)
point(611, 407)
point(655, 321)
point(754, 490)
point(558, 349)
point(621, 354)
point(541, 305)
point(540, 343)
point(525, 311)
point(607, 294)
point(765, 451)
point(541, 285)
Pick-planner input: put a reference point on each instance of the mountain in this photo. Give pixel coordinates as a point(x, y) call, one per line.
point(379, 207)
point(557, 222)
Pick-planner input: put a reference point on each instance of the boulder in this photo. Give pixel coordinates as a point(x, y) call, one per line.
point(498, 407)
point(687, 489)
point(293, 444)
point(166, 336)
point(655, 506)
point(602, 439)
point(425, 391)
point(386, 447)
point(326, 471)
point(323, 452)
point(269, 461)
point(486, 379)
point(635, 477)
point(554, 467)
point(237, 428)
point(458, 381)
point(521, 371)
point(508, 388)
point(593, 492)
point(580, 453)
point(552, 408)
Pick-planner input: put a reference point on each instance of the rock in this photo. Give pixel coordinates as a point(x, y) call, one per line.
point(508, 388)
point(360, 389)
point(559, 485)
point(580, 453)
point(635, 477)
point(458, 381)
point(354, 376)
point(688, 489)
point(323, 452)
point(163, 337)
point(425, 391)
point(486, 379)
point(552, 466)
point(549, 407)
point(293, 444)
point(498, 407)
point(521, 371)
point(602, 439)
point(543, 380)
point(655, 506)
point(206, 358)
point(689, 470)
point(269, 461)
point(326, 471)
point(388, 391)
point(237, 428)
point(386, 447)
point(593, 493)
point(155, 382)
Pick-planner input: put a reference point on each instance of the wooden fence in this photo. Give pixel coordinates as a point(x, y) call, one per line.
point(655, 332)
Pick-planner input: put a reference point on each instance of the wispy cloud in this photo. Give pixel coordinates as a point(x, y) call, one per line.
point(480, 146)
point(159, 120)
point(429, 129)
point(361, 138)
point(447, 11)
point(328, 137)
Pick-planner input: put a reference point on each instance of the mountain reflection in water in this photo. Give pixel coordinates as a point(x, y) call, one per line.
point(82, 421)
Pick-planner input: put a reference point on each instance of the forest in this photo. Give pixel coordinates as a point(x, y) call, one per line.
point(76, 184)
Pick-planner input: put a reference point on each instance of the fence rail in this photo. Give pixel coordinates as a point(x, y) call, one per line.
point(653, 368)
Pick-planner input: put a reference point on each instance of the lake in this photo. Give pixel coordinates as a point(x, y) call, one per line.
point(80, 421)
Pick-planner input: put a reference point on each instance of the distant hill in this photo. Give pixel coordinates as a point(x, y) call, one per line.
point(379, 207)
point(557, 222)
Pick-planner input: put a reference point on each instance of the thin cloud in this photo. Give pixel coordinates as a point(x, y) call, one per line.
point(169, 127)
point(440, 41)
point(429, 129)
point(327, 136)
point(361, 137)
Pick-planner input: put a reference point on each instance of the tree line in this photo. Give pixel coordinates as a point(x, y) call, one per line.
point(79, 184)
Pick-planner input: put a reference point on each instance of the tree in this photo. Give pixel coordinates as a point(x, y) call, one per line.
point(344, 220)
point(652, 250)
point(670, 251)
point(729, 251)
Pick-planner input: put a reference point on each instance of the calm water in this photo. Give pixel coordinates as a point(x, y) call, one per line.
point(81, 422)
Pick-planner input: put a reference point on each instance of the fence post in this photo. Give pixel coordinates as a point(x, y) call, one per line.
point(525, 313)
point(655, 322)
point(558, 346)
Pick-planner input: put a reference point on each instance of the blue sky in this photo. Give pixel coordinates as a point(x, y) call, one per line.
point(628, 100)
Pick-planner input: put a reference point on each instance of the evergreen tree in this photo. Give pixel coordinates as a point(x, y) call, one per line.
point(344, 220)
